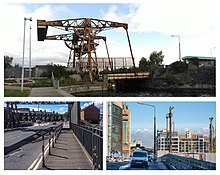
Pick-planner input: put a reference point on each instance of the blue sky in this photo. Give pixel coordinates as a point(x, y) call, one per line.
point(191, 115)
point(150, 26)
point(60, 108)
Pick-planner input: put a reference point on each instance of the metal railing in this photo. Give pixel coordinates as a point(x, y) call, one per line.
point(92, 139)
point(183, 163)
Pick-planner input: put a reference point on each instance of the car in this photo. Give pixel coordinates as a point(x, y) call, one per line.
point(140, 158)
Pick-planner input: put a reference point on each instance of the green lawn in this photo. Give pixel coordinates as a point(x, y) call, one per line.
point(16, 93)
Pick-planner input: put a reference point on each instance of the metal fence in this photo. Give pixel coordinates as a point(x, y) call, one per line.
point(184, 163)
point(92, 140)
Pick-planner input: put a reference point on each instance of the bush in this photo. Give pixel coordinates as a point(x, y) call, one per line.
point(179, 66)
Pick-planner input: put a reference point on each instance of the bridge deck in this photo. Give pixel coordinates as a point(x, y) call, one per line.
point(118, 76)
point(68, 154)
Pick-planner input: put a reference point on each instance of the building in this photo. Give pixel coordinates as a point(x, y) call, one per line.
point(114, 123)
point(126, 136)
point(74, 112)
point(200, 61)
point(90, 113)
point(193, 143)
point(163, 141)
point(187, 143)
point(37, 71)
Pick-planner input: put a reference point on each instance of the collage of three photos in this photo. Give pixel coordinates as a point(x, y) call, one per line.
point(95, 86)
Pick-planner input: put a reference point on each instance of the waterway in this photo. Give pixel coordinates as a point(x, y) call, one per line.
point(148, 93)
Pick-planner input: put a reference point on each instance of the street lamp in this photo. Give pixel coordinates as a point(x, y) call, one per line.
point(179, 45)
point(22, 71)
point(155, 150)
point(30, 53)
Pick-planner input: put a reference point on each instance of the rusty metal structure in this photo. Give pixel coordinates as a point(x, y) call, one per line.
point(81, 39)
point(170, 121)
point(211, 132)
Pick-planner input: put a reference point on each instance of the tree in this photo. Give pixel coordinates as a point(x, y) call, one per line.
point(7, 61)
point(143, 63)
point(156, 58)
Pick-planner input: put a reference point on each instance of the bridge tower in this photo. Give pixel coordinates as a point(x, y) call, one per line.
point(80, 39)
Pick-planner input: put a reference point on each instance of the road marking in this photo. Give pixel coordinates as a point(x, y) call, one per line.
point(124, 167)
point(37, 162)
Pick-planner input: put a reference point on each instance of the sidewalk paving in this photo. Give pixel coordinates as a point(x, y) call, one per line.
point(48, 92)
point(67, 154)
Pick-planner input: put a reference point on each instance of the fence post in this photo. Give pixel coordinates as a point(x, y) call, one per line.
point(94, 158)
point(49, 143)
point(43, 160)
point(53, 138)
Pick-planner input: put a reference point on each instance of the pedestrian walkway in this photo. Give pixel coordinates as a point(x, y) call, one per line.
point(48, 92)
point(67, 154)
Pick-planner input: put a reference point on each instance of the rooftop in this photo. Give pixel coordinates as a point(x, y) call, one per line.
point(199, 58)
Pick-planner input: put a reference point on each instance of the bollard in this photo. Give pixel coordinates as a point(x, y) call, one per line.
point(43, 160)
point(55, 135)
point(49, 143)
point(53, 139)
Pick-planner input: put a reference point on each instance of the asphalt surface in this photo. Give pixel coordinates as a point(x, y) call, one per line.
point(22, 158)
point(13, 137)
point(126, 166)
point(24, 146)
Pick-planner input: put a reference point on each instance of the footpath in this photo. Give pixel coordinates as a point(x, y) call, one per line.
point(67, 154)
point(48, 92)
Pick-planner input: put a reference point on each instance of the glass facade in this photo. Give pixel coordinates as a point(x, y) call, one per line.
point(114, 127)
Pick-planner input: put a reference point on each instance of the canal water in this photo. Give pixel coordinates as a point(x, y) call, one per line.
point(149, 93)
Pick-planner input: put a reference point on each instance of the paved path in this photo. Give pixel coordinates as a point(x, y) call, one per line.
point(67, 154)
point(48, 92)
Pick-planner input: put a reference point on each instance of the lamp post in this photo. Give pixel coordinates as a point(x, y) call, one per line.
point(179, 46)
point(22, 71)
point(155, 145)
point(30, 53)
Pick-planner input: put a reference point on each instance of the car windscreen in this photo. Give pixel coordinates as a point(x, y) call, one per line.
point(139, 154)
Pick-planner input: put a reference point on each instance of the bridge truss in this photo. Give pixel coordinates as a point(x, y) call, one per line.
point(82, 39)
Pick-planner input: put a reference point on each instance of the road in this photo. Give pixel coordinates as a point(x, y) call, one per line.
point(24, 146)
point(126, 166)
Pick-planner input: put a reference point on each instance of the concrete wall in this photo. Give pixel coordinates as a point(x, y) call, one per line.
point(83, 88)
point(74, 111)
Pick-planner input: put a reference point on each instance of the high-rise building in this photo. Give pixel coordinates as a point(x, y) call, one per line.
point(114, 123)
point(126, 138)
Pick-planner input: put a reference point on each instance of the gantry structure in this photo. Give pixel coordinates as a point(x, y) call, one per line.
point(81, 38)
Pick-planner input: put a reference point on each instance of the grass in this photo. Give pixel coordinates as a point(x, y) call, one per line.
point(42, 82)
point(16, 93)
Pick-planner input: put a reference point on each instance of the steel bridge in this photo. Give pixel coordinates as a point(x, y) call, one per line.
point(81, 39)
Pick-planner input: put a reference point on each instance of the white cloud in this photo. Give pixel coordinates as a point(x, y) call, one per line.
point(194, 21)
point(98, 104)
point(42, 52)
point(170, 17)
point(145, 135)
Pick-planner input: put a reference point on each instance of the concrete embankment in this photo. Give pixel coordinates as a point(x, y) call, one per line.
point(83, 88)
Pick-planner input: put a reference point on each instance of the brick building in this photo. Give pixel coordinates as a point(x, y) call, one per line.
point(90, 113)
